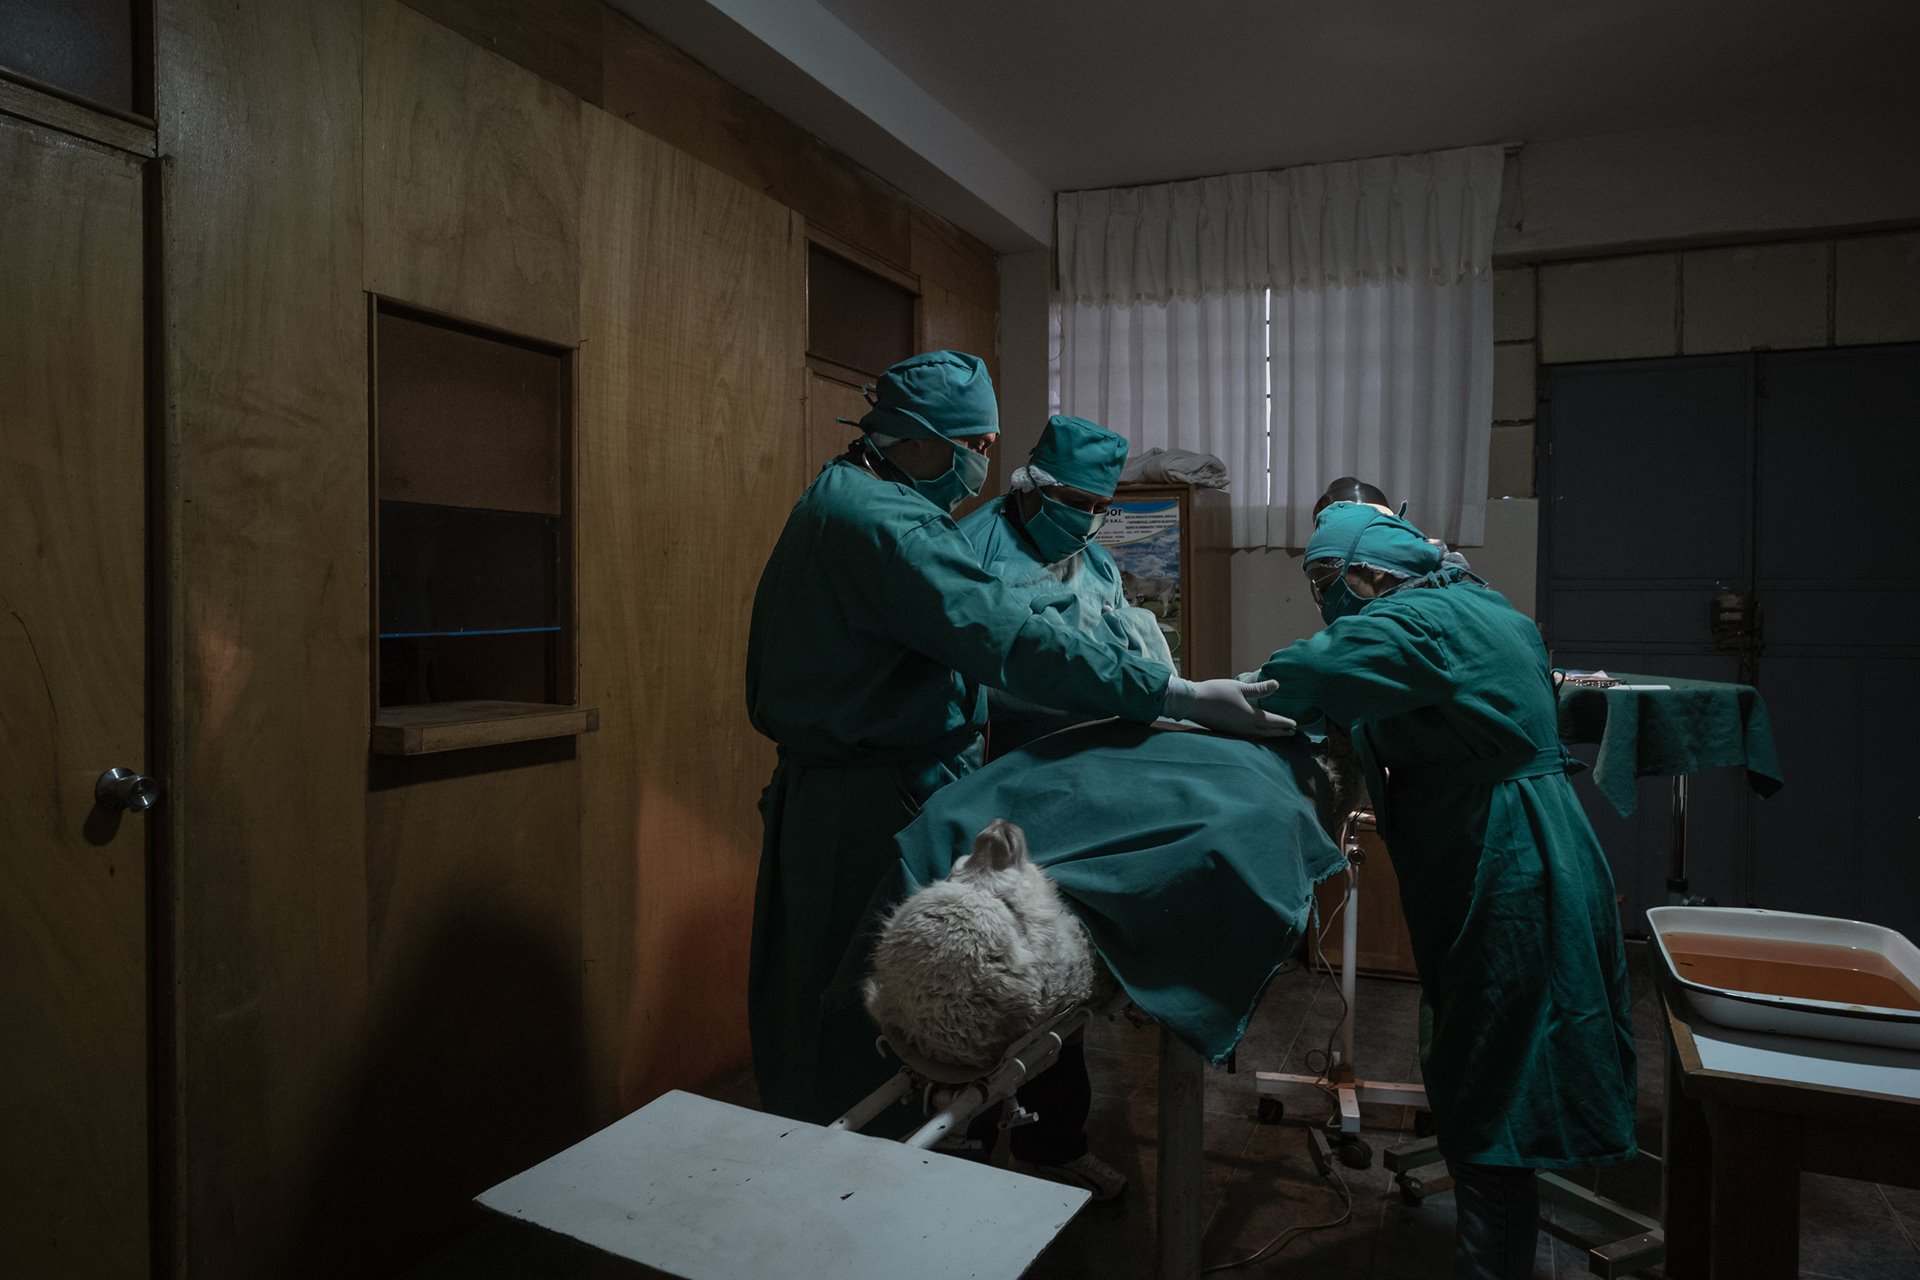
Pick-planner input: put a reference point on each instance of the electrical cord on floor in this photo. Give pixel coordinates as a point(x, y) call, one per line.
point(1291, 1234)
point(1287, 1236)
point(1325, 1069)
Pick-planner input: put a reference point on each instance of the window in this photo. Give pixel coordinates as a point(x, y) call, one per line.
point(473, 530)
point(860, 319)
point(859, 316)
point(94, 50)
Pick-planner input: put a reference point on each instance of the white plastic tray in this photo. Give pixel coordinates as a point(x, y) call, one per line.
point(1789, 1015)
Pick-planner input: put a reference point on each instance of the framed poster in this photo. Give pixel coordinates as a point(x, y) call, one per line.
point(1143, 535)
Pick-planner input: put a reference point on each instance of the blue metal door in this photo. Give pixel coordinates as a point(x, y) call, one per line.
point(1837, 575)
point(1770, 483)
point(1646, 519)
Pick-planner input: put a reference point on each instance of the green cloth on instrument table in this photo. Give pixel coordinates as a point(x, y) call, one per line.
point(1696, 724)
point(1191, 858)
point(874, 630)
point(1508, 899)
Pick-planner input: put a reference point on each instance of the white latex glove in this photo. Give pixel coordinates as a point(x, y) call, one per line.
point(1231, 706)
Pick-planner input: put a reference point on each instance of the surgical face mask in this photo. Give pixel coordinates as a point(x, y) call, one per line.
point(1060, 531)
point(1337, 598)
point(958, 482)
point(1332, 593)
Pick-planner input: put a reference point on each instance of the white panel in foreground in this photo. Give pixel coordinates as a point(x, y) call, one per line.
point(708, 1191)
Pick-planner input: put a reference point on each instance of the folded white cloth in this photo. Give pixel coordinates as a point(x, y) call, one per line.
point(1175, 466)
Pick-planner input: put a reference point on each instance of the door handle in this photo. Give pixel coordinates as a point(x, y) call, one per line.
point(1733, 620)
point(123, 790)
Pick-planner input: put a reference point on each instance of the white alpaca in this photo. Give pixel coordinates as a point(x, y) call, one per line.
point(969, 964)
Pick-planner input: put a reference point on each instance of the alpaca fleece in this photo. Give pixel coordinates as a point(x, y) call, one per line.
point(1339, 762)
point(969, 964)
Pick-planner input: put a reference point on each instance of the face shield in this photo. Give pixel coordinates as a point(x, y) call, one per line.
point(1351, 535)
point(1320, 576)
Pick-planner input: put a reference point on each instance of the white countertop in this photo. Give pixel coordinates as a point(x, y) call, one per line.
point(1800, 1060)
point(708, 1191)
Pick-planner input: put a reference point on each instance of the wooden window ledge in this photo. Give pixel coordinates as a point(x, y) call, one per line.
point(449, 726)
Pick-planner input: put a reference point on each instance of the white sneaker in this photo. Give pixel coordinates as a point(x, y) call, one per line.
point(1089, 1172)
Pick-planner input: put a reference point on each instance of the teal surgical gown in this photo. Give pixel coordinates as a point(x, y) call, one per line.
point(1527, 1045)
point(1082, 592)
point(874, 633)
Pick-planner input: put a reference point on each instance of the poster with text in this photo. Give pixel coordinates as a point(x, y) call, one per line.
point(1143, 536)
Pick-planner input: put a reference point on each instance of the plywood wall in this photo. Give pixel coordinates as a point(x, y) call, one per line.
point(652, 85)
point(960, 310)
point(690, 455)
point(400, 980)
point(828, 401)
point(959, 290)
point(264, 336)
point(472, 180)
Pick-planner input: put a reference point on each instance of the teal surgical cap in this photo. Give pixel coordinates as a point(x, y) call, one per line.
point(938, 394)
point(1355, 534)
point(1082, 454)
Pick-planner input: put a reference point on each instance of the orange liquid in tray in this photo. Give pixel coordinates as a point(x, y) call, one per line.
point(1800, 970)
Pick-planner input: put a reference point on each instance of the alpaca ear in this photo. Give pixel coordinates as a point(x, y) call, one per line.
point(1000, 846)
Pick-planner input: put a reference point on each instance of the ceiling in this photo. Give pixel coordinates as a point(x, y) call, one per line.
point(1007, 101)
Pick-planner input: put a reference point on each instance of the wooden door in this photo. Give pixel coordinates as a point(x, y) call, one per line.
point(73, 617)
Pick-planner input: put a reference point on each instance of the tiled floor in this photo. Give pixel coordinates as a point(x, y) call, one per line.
point(1259, 1180)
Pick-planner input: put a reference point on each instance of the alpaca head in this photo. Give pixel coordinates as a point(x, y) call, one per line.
point(969, 964)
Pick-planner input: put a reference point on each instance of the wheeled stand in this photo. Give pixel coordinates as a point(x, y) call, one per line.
point(1629, 1241)
point(1341, 1080)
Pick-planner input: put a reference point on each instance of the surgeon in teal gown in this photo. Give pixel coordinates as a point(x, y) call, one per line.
point(874, 634)
point(1527, 1044)
point(1038, 539)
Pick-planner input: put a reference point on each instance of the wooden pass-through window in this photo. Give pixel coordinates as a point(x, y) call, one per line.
point(473, 535)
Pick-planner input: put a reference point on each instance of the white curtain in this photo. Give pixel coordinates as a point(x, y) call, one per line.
point(1301, 324)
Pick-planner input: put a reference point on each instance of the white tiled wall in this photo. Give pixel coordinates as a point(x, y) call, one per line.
point(1804, 293)
point(1609, 309)
point(1877, 289)
point(1513, 304)
point(1513, 381)
point(1510, 466)
point(1754, 296)
point(1515, 357)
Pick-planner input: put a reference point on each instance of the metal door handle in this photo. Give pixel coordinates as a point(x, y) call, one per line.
point(124, 790)
point(1733, 620)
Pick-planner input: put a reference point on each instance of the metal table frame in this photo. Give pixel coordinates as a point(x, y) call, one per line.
point(1342, 1077)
